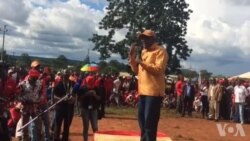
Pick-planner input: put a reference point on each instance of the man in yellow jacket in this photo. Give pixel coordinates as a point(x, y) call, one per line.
point(150, 68)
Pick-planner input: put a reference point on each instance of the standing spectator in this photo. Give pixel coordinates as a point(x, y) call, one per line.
point(211, 88)
point(15, 115)
point(125, 84)
point(10, 88)
point(225, 101)
point(108, 84)
point(4, 131)
point(3, 77)
point(63, 110)
point(31, 94)
point(133, 84)
point(90, 102)
point(188, 98)
point(204, 99)
point(117, 89)
point(240, 93)
point(179, 91)
point(231, 104)
point(248, 89)
point(100, 90)
point(45, 78)
point(215, 98)
point(150, 68)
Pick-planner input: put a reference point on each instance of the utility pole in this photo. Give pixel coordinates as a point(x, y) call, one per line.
point(4, 31)
point(87, 58)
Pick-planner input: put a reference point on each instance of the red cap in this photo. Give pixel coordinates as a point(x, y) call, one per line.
point(246, 84)
point(46, 70)
point(90, 81)
point(221, 81)
point(34, 73)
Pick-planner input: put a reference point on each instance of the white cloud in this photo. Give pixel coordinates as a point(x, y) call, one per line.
point(218, 31)
point(237, 2)
point(50, 28)
point(13, 11)
point(244, 35)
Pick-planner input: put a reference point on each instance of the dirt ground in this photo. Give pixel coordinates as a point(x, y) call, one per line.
point(178, 128)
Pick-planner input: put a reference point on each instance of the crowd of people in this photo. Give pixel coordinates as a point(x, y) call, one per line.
point(26, 94)
point(215, 98)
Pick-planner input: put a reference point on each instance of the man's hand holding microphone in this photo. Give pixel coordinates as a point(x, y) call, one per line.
point(134, 57)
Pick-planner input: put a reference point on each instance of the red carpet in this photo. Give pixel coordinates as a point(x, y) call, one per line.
point(125, 136)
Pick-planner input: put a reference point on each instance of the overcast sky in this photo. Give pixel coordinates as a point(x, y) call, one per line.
point(218, 31)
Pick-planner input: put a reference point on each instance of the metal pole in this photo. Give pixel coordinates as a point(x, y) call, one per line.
point(46, 110)
point(4, 31)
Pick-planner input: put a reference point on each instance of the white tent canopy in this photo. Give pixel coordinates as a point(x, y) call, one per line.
point(243, 76)
point(125, 74)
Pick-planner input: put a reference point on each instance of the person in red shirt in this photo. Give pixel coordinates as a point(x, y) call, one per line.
point(31, 95)
point(100, 89)
point(10, 88)
point(108, 85)
point(89, 104)
point(15, 115)
point(44, 78)
point(179, 92)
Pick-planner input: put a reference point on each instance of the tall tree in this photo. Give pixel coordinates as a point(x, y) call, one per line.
point(205, 74)
point(102, 64)
point(168, 18)
point(25, 60)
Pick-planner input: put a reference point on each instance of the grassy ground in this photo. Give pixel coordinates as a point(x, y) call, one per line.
point(131, 112)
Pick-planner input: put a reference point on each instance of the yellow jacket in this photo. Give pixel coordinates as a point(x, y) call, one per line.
point(151, 70)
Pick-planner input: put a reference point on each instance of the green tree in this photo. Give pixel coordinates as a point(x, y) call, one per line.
point(189, 73)
point(168, 18)
point(114, 63)
point(110, 69)
point(25, 60)
point(102, 64)
point(205, 74)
